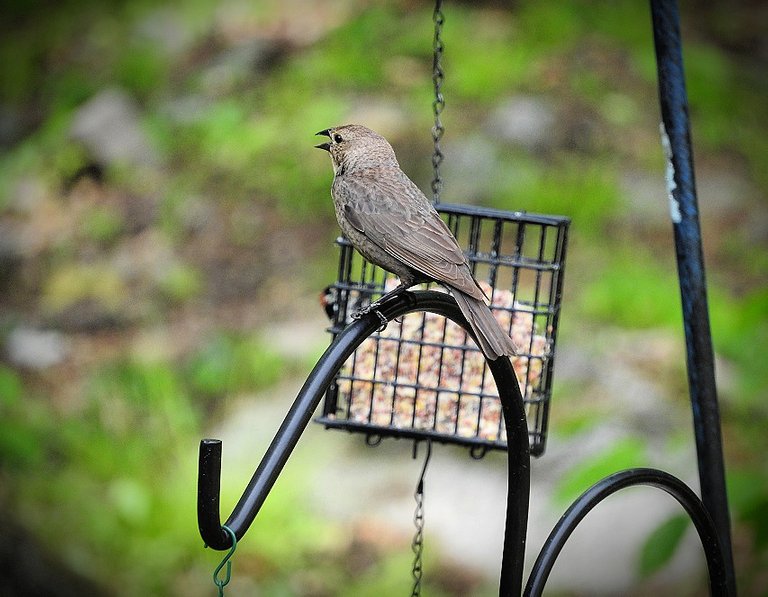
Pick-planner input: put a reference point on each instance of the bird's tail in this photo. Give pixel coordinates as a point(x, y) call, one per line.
point(493, 341)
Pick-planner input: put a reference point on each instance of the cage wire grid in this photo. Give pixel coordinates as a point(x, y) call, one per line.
point(423, 377)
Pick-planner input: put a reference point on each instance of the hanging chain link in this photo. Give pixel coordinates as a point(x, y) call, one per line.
point(439, 102)
point(417, 545)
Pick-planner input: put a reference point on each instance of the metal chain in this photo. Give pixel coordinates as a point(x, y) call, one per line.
point(439, 102)
point(417, 545)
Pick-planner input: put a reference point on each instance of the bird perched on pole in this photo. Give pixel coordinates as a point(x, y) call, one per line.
point(393, 225)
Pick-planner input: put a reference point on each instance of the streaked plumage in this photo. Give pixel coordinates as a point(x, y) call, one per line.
point(393, 224)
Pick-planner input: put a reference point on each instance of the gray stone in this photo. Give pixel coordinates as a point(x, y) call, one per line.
point(237, 64)
point(645, 197)
point(36, 349)
point(168, 31)
point(109, 126)
point(526, 121)
point(186, 110)
point(721, 193)
point(470, 169)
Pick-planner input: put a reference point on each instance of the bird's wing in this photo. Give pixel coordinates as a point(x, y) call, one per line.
point(394, 214)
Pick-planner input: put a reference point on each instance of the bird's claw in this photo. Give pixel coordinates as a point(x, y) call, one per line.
point(384, 321)
point(372, 308)
point(363, 311)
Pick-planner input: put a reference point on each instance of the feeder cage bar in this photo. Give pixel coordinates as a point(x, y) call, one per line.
point(423, 377)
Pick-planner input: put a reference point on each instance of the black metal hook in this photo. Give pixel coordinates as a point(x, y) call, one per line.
point(287, 436)
point(608, 486)
point(427, 458)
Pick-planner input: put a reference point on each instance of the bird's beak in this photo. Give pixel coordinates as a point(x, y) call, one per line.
point(326, 146)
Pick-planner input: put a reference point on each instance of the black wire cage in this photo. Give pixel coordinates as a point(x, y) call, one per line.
point(423, 376)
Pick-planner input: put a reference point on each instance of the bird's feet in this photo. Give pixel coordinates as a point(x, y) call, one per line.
point(372, 308)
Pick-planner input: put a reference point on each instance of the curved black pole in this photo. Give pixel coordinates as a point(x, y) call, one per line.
point(610, 485)
point(287, 436)
point(690, 266)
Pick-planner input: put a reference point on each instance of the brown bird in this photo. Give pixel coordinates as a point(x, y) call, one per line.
point(393, 225)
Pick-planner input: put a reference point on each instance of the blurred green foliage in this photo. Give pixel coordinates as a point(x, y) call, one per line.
point(84, 474)
point(228, 365)
point(567, 185)
point(662, 543)
point(646, 299)
point(625, 453)
point(21, 445)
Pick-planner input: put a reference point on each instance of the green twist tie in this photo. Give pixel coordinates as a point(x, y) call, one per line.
point(216, 580)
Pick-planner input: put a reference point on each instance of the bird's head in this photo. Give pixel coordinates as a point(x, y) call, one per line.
point(355, 147)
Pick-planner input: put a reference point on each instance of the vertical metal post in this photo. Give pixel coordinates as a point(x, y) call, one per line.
point(690, 265)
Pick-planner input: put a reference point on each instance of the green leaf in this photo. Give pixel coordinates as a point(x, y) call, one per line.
point(20, 446)
point(661, 544)
point(626, 453)
point(748, 498)
point(11, 387)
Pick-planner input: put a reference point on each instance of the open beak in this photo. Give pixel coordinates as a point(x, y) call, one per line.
point(326, 146)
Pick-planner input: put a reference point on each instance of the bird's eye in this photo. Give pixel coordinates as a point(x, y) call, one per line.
point(337, 138)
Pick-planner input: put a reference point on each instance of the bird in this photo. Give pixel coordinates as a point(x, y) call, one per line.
point(392, 224)
point(357, 300)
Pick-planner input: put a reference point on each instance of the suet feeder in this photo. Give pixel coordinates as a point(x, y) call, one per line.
point(423, 377)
